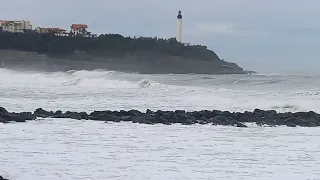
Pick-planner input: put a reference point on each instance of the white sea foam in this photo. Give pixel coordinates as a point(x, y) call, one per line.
point(95, 90)
point(69, 149)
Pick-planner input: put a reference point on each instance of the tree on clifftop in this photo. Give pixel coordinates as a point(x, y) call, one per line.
point(103, 45)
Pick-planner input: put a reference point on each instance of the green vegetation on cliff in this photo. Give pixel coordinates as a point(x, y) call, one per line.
point(110, 45)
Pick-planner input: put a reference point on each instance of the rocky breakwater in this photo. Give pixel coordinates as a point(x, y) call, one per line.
point(2, 178)
point(215, 117)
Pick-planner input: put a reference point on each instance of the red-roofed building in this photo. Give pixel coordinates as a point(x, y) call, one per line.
point(79, 29)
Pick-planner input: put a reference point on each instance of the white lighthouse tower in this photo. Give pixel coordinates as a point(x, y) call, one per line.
point(179, 27)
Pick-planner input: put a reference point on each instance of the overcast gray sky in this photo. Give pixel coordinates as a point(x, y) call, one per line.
point(264, 35)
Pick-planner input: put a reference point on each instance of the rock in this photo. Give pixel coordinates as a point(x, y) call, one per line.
point(149, 111)
point(167, 123)
point(16, 118)
point(145, 121)
point(3, 112)
point(136, 119)
point(3, 120)
point(188, 122)
point(134, 113)
point(216, 117)
point(312, 124)
point(104, 117)
point(43, 113)
point(202, 122)
point(126, 118)
point(73, 115)
point(279, 122)
point(219, 120)
point(57, 114)
point(241, 125)
point(4, 115)
point(84, 115)
point(27, 115)
point(291, 124)
point(2, 178)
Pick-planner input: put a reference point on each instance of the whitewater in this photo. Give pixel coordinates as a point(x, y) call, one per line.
point(70, 149)
point(101, 90)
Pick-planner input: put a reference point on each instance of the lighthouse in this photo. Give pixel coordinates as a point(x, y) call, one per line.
point(179, 27)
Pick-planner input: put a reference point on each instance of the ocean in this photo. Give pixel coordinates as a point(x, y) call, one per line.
point(70, 149)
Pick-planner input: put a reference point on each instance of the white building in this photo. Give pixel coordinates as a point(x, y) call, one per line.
point(15, 26)
point(12, 27)
point(79, 29)
point(25, 25)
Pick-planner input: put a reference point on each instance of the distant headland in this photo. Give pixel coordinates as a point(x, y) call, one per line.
point(54, 49)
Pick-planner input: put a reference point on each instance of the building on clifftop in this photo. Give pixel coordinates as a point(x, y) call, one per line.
point(56, 31)
point(80, 30)
point(16, 26)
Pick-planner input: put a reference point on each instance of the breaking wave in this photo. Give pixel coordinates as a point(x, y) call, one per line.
point(92, 90)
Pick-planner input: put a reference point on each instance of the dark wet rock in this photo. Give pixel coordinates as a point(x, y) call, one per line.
point(219, 120)
point(3, 112)
point(103, 116)
point(126, 118)
point(134, 113)
point(145, 121)
point(27, 116)
point(239, 124)
point(2, 178)
point(84, 115)
point(202, 122)
point(43, 113)
point(72, 115)
point(4, 115)
point(136, 119)
point(58, 114)
point(291, 124)
point(3, 120)
point(167, 123)
point(312, 124)
point(214, 117)
point(149, 111)
point(16, 118)
point(188, 122)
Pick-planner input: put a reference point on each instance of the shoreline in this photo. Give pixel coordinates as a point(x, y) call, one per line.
point(143, 64)
point(215, 117)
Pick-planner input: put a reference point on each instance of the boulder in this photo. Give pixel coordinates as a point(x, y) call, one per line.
point(72, 115)
point(84, 115)
point(27, 115)
point(43, 113)
point(104, 117)
point(16, 118)
point(219, 120)
point(2, 178)
point(291, 124)
point(239, 124)
point(3, 120)
point(216, 117)
point(126, 118)
point(4, 115)
point(3, 112)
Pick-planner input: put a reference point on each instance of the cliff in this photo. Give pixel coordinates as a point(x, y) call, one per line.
point(112, 52)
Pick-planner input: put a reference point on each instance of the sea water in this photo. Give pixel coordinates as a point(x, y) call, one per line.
point(69, 149)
